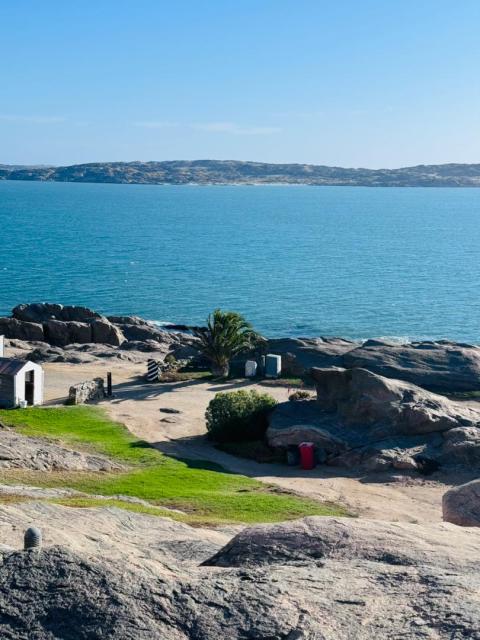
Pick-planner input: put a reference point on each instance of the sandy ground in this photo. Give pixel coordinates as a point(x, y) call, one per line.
point(138, 405)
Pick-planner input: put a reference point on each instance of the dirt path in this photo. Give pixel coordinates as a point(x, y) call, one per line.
point(182, 434)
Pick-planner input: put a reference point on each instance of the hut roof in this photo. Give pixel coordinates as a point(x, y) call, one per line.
point(11, 366)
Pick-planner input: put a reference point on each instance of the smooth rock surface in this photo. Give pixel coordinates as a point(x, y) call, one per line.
point(391, 407)
point(461, 505)
point(59, 333)
point(441, 366)
point(143, 578)
point(21, 452)
point(104, 332)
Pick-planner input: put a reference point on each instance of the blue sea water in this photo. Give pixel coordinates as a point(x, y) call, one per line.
point(348, 261)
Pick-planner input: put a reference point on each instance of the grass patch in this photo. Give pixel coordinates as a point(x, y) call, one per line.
point(87, 503)
point(206, 492)
point(295, 382)
point(462, 395)
point(185, 374)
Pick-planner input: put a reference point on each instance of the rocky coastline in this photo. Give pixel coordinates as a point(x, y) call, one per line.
point(61, 333)
point(378, 406)
point(146, 576)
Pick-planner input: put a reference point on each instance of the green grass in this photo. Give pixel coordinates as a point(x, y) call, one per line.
point(297, 382)
point(462, 395)
point(205, 491)
point(183, 375)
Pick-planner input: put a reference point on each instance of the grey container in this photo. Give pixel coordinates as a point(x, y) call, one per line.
point(273, 365)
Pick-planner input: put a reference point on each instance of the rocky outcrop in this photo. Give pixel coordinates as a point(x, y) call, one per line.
point(143, 332)
point(104, 332)
point(56, 330)
point(436, 365)
point(299, 355)
point(130, 320)
point(461, 505)
point(362, 419)
point(88, 391)
point(59, 334)
point(388, 407)
point(21, 452)
point(141, 577)
point(43, 311)
point(315, 539)
point(15, 329)
point(440, 366)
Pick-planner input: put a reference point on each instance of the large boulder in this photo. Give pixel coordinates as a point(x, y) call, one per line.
point(361, 419)
point(462, 446)
point(388, 407)
point(105, 332)
point(291, 423)
point(88, 391)
point(43, 311)
point(440, 366)
point(461, 505)
point(13, 328)
point(144, 332)
point(59, 333)
point(37, 312)
point(315, 539)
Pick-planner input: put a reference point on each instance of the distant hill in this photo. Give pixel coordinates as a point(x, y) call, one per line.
point(235, 172)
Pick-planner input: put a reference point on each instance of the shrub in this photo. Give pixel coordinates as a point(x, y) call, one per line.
point(238, 415)
point(300, 395)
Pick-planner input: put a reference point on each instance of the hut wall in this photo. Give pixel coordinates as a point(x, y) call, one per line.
point(7, 392)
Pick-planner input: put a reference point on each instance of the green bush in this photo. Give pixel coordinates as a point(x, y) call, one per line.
point(238, 416)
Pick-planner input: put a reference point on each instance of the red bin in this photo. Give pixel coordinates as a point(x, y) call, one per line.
point(307, 455)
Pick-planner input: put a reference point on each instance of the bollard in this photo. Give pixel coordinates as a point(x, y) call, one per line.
point(152, 372)
point(109, 384)
point(32, 539)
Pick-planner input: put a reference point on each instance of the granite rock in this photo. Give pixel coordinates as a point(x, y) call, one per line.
point(311, 579)
point(461, 505)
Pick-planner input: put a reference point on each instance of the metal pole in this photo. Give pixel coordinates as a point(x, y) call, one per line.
point(109, 384)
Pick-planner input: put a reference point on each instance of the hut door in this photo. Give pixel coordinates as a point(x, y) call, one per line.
point(29, 386)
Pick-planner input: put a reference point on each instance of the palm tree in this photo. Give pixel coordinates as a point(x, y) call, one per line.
point(227, 334)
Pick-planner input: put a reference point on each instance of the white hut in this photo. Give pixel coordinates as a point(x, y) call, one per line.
point(21, 382)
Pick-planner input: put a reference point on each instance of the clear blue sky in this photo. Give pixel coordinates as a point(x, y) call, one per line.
point(375, 83)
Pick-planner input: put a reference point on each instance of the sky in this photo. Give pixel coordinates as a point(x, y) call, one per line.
point(357, 83)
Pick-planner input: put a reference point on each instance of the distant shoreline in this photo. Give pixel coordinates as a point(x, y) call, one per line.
point(236, 173)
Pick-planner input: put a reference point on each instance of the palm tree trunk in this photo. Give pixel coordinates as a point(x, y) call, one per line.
point(220, 370)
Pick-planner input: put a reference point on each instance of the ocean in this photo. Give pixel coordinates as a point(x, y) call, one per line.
point(356, 262)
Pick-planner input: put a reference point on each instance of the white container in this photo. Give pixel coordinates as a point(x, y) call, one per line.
point(23, 404)
point(273, 365)
point(250, 369)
